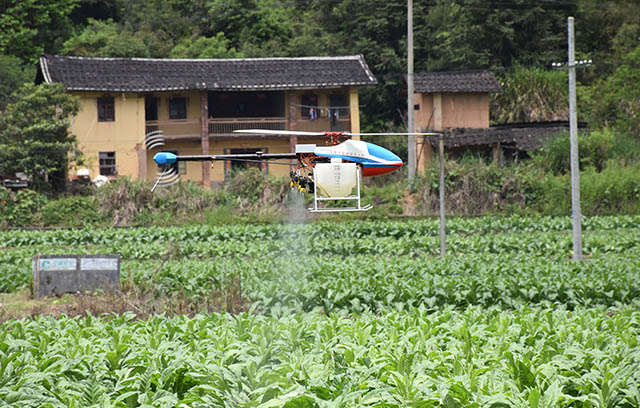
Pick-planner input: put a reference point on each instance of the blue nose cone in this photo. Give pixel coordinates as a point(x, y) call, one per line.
point(382, 153)
point(164, 158)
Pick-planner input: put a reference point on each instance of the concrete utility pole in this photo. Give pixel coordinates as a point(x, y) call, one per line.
point(412, 138)
point(443, 236)
point(576, 213)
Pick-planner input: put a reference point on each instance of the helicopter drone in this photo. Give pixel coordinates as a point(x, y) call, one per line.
point(330, 172)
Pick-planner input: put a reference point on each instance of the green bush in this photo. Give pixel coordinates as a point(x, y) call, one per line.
point(552, 194)
point(20, 208)
point(474, 186)
point(255, 191)
point(71, 212)
point(185, 198)
point(595, 148)
point(615, 190)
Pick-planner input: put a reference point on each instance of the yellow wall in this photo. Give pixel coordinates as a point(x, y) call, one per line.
point(424, 117)
point(119, 136)
point(189, 127)
point(354, 108)
point(125, 135)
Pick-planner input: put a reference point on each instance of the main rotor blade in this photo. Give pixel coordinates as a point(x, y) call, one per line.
point(393, 134)
point(279, 132)
point(304, 133)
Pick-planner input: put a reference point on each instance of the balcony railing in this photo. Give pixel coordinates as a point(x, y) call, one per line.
point(226, 126)
point(172, 129)
point(191, 128)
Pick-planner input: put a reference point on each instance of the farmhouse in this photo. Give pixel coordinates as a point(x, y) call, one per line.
point(196, 104)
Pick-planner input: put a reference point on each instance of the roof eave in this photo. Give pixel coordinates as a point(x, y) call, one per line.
point(223, 88)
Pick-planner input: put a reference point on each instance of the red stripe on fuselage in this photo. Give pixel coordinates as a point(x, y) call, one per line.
point(377, 171)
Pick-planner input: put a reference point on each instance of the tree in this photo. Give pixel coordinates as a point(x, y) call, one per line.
point(12, 75)
point(215, 47)
point(623, 93)
point(105, 39)
point(605, 33)
point(34, 132)
point(257, 28)
point(452, 39)
point(31, 27)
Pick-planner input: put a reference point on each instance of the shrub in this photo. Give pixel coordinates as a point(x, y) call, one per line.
point(615, 190)
point(71, 212)
point(254, 190)
point(123, 199)
point(474, 187)
point(595, 148)
point(20, 208)
point(530, 95)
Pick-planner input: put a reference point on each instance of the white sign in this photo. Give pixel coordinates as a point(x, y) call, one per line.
point(99, 264)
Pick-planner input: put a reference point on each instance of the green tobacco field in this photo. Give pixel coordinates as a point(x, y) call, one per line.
point(326, 314)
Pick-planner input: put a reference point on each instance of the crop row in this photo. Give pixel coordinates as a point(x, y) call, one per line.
point(362, 282)
point(532, 357)
point(550, 244)
point(374, 272)
point(314, 231)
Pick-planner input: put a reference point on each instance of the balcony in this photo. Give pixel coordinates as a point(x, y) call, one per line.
point(226, 126)
point(189, 129)
point(175, 129)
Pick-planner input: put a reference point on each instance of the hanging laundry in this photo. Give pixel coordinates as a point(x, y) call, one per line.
point(312, 114)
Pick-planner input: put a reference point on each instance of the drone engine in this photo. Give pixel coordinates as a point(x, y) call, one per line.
point(303, 183)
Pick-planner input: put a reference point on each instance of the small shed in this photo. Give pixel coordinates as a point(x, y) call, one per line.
point(458, 99)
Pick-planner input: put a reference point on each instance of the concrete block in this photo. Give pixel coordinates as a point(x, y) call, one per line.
point(59, 274)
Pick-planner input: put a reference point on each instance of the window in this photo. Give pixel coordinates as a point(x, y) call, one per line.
point(151, 108)
point(106, 109)
point(107, 163)
point(309, 102)
point(178, 108)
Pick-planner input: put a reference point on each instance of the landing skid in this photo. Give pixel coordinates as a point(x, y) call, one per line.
point(345, 209)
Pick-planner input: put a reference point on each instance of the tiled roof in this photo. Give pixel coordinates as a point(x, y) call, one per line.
point(524, 136)
point(472, 81)
point(149, 75)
